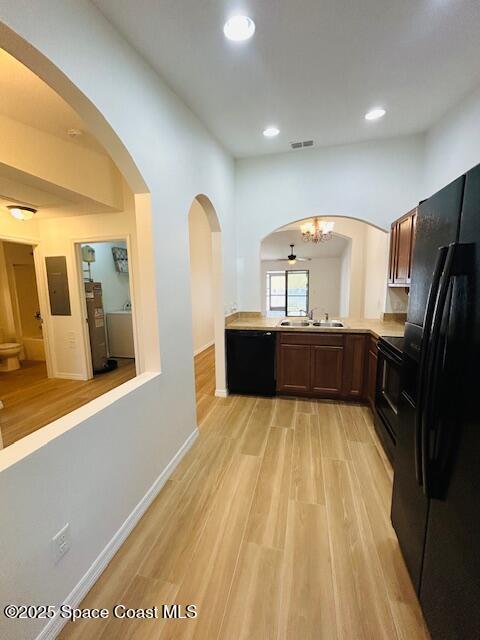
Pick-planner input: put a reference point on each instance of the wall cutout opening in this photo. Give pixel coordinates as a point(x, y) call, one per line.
point(78, 196)
point(338, 267)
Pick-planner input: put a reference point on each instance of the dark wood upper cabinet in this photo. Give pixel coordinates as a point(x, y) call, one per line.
point(392, 255)
point(414, 229)
point(354, 378)
point(327, 370)
point(402, 239)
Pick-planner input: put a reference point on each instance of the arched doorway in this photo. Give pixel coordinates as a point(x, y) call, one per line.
point(206, 274)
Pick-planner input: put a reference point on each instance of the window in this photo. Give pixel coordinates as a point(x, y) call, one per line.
point(287, 293)
point(276, 292)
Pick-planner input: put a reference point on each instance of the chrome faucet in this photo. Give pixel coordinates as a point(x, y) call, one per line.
point(310, 315)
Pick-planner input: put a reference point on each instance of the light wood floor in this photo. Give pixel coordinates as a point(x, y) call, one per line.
point(275, 524)
point(32, 400)
point(205, 382)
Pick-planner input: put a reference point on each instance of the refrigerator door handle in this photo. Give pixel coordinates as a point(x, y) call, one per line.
point(432, 359)
point(456, 263)
point(427, 326)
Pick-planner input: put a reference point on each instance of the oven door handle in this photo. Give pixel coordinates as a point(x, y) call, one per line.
point(389, 356)
point(424, 359)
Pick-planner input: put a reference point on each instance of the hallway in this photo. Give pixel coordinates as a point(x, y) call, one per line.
point(275, 524)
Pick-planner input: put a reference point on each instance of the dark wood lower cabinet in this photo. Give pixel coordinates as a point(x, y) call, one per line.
point(354, 376)
point(372, 360)
point(326, 370)
point(322, 365)
point(293, 368)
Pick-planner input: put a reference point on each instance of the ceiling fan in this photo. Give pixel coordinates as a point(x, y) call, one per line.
point(292, 257)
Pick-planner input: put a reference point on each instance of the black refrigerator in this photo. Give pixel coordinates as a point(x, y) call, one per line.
point(436, 491)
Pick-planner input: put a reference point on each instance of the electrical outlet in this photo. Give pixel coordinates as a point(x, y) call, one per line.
point(61, 543)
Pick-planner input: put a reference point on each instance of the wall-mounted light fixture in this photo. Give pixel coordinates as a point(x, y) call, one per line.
point(22, 213)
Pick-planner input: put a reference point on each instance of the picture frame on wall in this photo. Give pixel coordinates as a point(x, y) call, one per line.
point(120, 258)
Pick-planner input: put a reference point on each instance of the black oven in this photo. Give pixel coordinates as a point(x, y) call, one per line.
point(387, 395)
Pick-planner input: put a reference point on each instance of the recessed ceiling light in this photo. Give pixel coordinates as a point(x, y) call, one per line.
point(271, 132)
point(239, 28)
point(375, 114)
point(22, 213)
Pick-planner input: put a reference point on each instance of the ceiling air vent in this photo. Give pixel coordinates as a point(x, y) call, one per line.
point(301, 145)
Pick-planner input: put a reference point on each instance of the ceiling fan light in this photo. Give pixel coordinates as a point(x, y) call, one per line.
point(292, 258)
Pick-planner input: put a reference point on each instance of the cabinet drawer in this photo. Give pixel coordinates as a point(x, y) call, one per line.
point(314, 339)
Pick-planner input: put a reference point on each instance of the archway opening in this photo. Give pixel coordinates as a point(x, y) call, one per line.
point(208, 322)
point(343, 274)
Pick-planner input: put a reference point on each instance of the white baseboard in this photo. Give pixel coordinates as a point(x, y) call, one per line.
point(204, 348)
point(68, 376)
point(221, 393)
point(75, 597)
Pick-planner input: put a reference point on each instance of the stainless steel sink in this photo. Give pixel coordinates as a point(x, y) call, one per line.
point(295, 323)
point(327, 324)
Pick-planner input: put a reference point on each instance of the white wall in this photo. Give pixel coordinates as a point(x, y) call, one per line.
point(452, 146)
point(345, 270)
point(377, 246)
point(375, 181)
point(396, 300)
point(201, 277)
point(324, 282)
point(115, 285)
point(124, 448)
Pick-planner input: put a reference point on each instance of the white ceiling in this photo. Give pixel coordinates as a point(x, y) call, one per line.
point(277, 245)
point(26, 98)
point(313, 67)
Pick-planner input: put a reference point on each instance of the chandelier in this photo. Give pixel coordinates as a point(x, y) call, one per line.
point(317, 231)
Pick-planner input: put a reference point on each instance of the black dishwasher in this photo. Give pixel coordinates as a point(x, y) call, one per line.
point(251, 362)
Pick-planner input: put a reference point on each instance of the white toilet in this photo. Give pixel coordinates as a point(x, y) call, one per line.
point(9, 352)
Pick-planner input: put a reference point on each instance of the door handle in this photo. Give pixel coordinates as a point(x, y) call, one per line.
point(427, 326)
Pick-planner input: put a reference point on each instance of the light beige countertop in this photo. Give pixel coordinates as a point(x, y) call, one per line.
point(376, 328)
